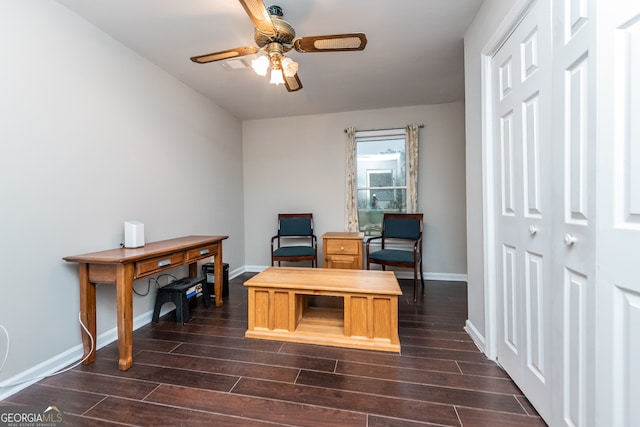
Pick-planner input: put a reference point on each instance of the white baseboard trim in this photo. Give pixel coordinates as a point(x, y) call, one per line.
point(107, 337)
point(42, 370)
point(48, 367)
point(67, 358)
point(400, 274)
point(254, 268)
point(444, 277)
point(476, 336)
point(24, 379)
point(237, 271)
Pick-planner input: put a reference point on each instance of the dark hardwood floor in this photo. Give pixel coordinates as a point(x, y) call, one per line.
point(206, 373)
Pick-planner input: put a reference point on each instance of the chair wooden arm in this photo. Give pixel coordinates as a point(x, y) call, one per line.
point(369, 242)
point(314, 239)
point(417, 245)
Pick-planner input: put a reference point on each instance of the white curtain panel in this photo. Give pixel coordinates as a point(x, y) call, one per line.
point(351, 210)
point(412, 160)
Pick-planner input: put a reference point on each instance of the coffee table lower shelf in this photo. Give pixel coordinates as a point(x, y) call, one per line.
point(368, 319)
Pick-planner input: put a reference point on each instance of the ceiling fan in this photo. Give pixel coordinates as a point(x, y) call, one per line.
point(275, 37)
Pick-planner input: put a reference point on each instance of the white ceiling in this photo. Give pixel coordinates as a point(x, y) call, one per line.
point(414, 54)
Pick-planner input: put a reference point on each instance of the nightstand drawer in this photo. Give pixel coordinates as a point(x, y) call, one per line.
point(154, 265)
point(337, 246)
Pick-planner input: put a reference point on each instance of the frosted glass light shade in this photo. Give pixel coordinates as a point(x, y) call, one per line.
point(289, 67)
point(260, 65)
point(276, 77)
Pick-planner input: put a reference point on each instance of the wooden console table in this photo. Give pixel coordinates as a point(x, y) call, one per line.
point(122, 266)
point(279, 307)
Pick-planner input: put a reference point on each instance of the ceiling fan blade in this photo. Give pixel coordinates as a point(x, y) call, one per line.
point(292, 83)
point(225, 54)
point(259, 16)
point(331, 43)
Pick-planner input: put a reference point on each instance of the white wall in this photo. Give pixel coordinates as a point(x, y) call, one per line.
point(92, 135)
point(484, 25)
point(298, 164)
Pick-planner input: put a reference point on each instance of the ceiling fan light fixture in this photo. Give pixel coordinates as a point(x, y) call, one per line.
point(260, 65)
point(289, 67)
point(276, 76)
point(274, 37)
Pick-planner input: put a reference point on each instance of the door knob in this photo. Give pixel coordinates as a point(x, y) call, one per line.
point(533, 230)
point(569, 239)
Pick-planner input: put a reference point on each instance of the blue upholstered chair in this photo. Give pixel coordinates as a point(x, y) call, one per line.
point(400, 245)
point(299, 228)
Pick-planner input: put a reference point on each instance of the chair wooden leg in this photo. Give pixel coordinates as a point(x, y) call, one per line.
point(415, 284)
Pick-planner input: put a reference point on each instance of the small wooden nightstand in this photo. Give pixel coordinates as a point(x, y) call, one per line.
point(342, 250)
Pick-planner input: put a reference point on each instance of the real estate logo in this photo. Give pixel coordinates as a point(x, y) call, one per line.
point(30, 416)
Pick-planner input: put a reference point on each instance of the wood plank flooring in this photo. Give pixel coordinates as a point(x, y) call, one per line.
point(205, 373)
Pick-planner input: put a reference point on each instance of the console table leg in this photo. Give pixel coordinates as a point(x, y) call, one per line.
point(218, 276)
point(124, 281)
point(87, 314)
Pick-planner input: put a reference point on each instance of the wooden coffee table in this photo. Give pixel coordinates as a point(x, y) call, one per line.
point(279, 307)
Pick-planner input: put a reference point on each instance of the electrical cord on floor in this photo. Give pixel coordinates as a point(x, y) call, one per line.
point(6, 333)
point(6, 353)
point(93, 347)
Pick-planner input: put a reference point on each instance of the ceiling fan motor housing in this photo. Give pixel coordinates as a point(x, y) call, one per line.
point(275, 10)
point(284, 32)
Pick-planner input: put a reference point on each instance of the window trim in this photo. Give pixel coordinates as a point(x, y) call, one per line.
point(411, 135)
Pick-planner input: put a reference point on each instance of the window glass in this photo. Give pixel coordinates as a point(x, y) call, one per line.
point(381, 179)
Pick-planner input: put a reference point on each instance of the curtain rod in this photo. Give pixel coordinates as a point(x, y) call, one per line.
point(369, 130)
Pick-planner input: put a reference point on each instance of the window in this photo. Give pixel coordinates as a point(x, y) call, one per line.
point(381, 177)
